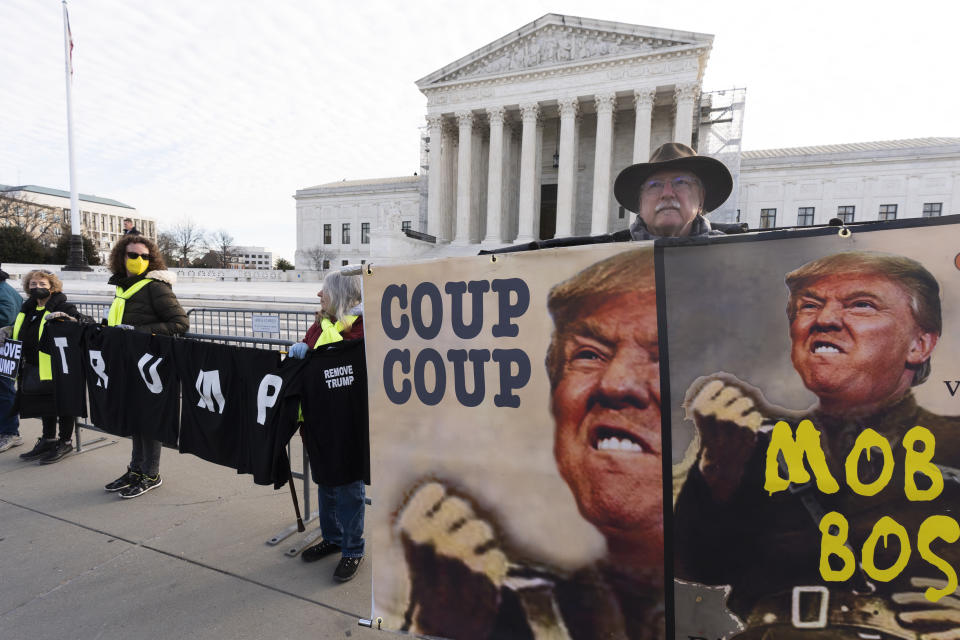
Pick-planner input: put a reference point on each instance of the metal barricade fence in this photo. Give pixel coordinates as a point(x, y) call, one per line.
point(265, 329)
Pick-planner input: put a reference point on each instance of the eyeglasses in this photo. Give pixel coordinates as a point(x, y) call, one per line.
point(133, 256)
point(680, 184)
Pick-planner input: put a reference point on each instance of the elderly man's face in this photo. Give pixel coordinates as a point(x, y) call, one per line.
point(855, 339)
point(670, 202)
point(127, 225)
point(606, 406)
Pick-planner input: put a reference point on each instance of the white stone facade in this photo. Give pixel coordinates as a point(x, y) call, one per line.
point(858, 182)
point(336, 222)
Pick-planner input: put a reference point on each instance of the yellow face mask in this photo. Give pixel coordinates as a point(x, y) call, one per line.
point(137, 266)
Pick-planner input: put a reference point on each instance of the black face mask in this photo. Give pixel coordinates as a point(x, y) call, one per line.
point(39, 293)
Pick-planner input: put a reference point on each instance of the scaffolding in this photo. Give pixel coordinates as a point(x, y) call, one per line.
point(719, 136)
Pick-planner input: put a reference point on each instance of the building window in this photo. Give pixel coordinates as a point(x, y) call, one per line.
point(326, 264)
point(845, 213)
point(345, 233)
point(364, 233)
point(888, 212)
point(621, 213)
point(768, 218)
point(344, 263)
point(932, 209)
point(805, 216)
point(327, 234)
point(406, 225)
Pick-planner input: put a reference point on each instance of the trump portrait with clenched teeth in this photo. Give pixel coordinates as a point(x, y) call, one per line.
point(863, 326)
point(603, 368)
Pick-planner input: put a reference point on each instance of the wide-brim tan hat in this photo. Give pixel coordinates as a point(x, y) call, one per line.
point(716, 178)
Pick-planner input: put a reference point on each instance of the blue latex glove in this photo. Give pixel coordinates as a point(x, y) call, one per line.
point(298, 351)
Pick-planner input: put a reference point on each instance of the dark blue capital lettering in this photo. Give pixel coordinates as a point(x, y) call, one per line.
point(459, 358)
point(426, 290)
point(510, 381)
point(507, 309)
point(432, 356)
point(394, 332)
point(393, 357)
point(456, 290)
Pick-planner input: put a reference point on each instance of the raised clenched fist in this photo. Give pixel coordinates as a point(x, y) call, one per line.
point(456, 568)
point(728, 413)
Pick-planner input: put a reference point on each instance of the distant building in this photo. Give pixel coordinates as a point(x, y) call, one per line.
point(250, 258)
point(47, 212)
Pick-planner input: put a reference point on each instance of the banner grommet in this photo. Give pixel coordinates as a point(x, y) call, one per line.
point(844, 232)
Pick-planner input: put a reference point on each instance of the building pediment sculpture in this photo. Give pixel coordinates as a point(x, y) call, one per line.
point(557, 40)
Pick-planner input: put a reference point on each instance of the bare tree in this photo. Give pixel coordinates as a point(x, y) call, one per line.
point(167, 246)
point(188, 240)
point(318, 258)
point(18, 209)
point(221, 243)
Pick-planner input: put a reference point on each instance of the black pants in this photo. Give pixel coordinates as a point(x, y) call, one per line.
point(50, 427)
point(145, 457)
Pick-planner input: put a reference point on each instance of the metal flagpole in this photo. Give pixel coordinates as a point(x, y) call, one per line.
point(76, 261)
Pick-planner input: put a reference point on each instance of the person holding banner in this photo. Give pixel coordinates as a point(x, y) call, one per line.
point(10, 302)
point(809, 562)
point(672, 192)
point(45, 302)
point(144, 301)
point(342, 506)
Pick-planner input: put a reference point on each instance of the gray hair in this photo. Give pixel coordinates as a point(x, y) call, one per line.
point(343, 292)
point(911, 276)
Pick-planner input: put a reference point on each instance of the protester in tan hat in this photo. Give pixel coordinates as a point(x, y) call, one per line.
point(672, 192)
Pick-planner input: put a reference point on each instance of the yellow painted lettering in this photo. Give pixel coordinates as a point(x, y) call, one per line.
point(886, 526)
point(867, 440)
point(807, 443)
point(919, 462)
point(945, 528)
point(834, 545)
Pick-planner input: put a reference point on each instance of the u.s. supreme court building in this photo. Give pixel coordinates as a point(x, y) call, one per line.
point(525, 136)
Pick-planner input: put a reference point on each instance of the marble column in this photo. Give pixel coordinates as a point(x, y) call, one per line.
point(600, 218)
point(449, 202)
point(495, 177)
point(829, 208)
point(435, 179)
point(464, 176)
point(643, 107)
point(529, 114)
point(685, 96)
point(567, 170)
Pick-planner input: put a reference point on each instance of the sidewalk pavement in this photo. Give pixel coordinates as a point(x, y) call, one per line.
point(186, 560)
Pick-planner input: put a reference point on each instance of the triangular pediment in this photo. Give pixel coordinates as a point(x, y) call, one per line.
point(556, 40)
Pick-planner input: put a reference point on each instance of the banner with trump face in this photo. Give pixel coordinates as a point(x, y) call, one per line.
point(516, 444)
point(815, 432)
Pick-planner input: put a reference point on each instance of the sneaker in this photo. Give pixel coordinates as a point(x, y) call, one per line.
point(43, 446)
point(144, 484)
point(317, 551)
point(61, 449)
point(8, 442)
point(347, 569)
point(124, 481)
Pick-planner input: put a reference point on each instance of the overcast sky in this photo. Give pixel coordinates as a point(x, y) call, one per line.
point(219, 111)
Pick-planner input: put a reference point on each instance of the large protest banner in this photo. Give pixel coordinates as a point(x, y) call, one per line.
point(813, 376)
point(484, 523)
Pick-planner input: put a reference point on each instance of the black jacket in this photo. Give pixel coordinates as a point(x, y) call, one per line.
point(155, 308)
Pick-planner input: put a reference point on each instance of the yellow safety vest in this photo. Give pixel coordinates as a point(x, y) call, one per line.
point(43, 359)
point(115, 315)
point(330, 331)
